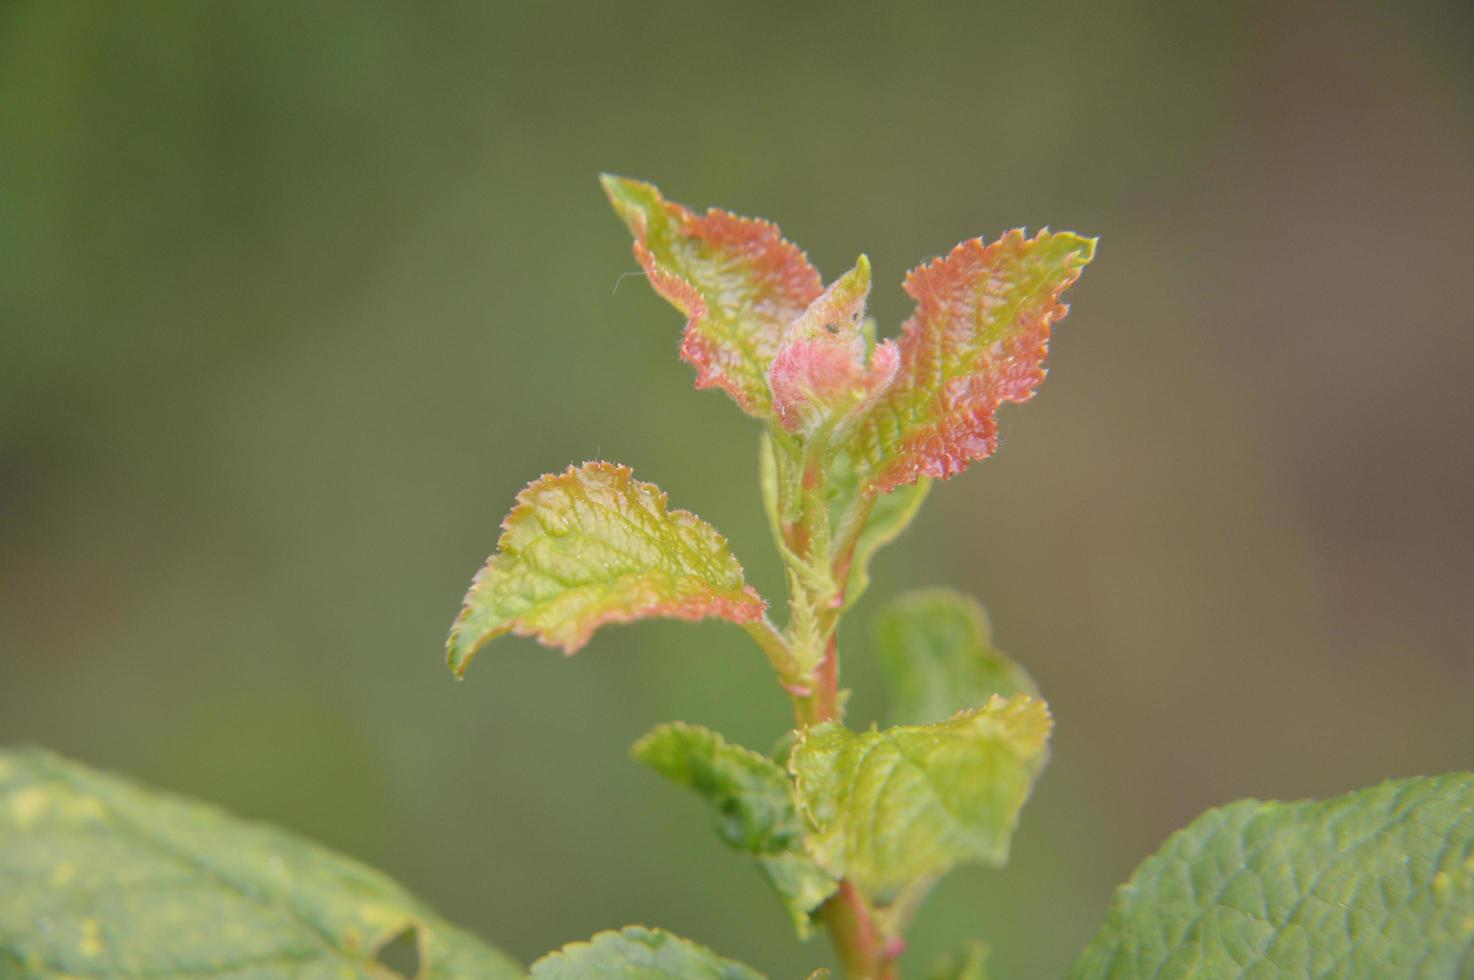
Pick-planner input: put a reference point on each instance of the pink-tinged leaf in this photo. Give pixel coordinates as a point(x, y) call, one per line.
point(591, 546)
point(825, 371)
point(737, 280)
point(978, 338)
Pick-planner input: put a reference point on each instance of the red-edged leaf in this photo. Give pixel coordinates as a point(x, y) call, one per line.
point(978, 338)
point(737, 280)
point(591, 546)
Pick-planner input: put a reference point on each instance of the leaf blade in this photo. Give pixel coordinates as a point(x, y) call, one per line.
point(638, 953)
point(739, 282)
point(1375, 883)
point(936, 650)
point(134, 883)
point(593, 546)
point(978, 338)
point(889, 808)
point(753, 798)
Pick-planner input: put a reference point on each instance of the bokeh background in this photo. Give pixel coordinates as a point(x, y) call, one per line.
point(294, 298)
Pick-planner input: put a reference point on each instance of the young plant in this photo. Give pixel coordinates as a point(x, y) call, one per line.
point(851, 829)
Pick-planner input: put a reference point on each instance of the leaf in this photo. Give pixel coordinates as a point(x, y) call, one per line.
point(591, 546)
point(978, 339)
point(637, 953)
point(1377, 883)
point(754, 801)
point(827, 369)
point(890, 515)
point(101, 878)
point(888, 808)
point(736, 279)
point(936, 650)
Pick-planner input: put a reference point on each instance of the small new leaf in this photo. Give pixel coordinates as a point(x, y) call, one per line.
point(101, 878)
point(978, 339)
point(893, 807)
point(737, 280)
point(937, 653)
point(1377, 883)
point(591, 546)
point(827, 369)
point(637, 953)
point(753, 797)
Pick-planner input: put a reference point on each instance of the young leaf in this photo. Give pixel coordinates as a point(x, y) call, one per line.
point(591, 546)
point(754, 801)
point(938, 656)
point(891, 514)
point(101, 878)
point(978, 339)
point(827, 370)
point(1377, 883)
point(736, 279)
point(890, 807)
point(637, 953)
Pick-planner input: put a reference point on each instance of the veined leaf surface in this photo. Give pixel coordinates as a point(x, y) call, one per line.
point(753, 798)
point(889, 808)
point(737, 280)
point(637, 953)
point(978, 338)
point(1375, 884)
point(101, 878)
point(591, 546)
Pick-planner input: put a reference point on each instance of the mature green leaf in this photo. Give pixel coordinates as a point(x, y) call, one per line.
point(978, 339)
point(101, 878)
point(736, 279)
point(753, 797)
point(637, 953)
point(591, 546)
point(1377, 883)
point(891, 807)
point(936, 649)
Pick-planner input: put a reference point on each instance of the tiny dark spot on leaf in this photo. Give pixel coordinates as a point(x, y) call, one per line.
point(831, 327)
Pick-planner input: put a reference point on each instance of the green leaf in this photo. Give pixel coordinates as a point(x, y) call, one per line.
point(1377, 883)
point(890, 515)
point(889, 808)
point(637, 953)
point(753, 797)
point(936, 649)
point(978, 339)
point(101, 878)
point(736, 279)
point(591, 546)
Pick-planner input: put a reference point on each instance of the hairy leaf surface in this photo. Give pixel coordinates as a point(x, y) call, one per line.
point(1377, 883)
point(978, 339)
point(637, 953)
point(888, 808)
point(753, 797)
point(737, 280)
point(591, 546)
point(101, 878)
point(937, 652)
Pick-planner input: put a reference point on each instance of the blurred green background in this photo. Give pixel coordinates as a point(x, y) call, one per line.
point(294, 298)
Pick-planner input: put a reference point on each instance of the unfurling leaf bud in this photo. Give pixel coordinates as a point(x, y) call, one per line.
point(828, 369)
